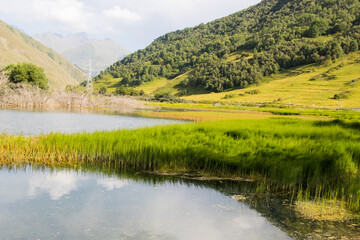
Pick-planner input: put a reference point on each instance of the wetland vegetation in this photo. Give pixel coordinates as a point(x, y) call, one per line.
point(318, 158)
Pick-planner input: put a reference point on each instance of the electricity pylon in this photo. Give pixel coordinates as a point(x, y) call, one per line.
point(89, 84)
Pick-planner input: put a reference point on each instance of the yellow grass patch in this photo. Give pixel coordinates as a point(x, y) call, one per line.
point(325, 210)
point(199, 116)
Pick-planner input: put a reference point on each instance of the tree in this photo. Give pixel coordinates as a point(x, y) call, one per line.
point(29, 73)
point(316, 28)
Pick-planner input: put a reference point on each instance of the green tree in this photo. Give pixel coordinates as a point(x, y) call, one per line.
point(316, 28)
point(29, 73)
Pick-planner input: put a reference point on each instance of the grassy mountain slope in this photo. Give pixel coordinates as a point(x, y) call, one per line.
point(244, 48)
point(16, 47)
point(311, 85)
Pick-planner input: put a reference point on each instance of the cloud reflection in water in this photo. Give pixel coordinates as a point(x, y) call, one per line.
point(56, 184)
point(112, 183)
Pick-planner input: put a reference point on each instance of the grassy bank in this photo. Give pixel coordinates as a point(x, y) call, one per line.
point(204, 112)
point(321, 157)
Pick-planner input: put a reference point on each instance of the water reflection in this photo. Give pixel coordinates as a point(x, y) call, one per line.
point(35, 123)
point(56, 184)
point(112, 183)
point(76, 205)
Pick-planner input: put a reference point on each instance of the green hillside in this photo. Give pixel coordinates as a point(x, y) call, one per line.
point(244, 49)
point(335, 85)
point(17, 47)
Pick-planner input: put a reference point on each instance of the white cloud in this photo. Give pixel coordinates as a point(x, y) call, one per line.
point(68, 12)
point(133, 23)
point(57, 184)
point(122, 14)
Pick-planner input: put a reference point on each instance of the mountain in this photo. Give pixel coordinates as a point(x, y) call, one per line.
point(16, 47)
point(101, 53)
point(61, 43)
point(80, 50)
point(242, 49)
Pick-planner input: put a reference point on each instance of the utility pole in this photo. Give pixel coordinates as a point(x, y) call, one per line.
point(89, 84)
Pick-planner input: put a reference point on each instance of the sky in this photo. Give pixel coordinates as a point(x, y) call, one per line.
point(132, 23)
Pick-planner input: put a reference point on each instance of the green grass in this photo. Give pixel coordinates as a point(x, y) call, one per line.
point(172, 85)
point(109, 82)
point(321, 39)
point(289, 153)
point(236, 55)
point(151, 87)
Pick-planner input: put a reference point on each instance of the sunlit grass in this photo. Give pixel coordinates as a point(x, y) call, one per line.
point(172, 85)
point(110, 83)
point(202, 116)
point(211, 112)
point(151, 87)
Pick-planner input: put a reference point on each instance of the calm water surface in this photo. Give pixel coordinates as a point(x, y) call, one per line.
point(76, 205)
point(34, 123)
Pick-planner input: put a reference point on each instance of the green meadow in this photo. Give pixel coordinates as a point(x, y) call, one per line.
point(319, 158)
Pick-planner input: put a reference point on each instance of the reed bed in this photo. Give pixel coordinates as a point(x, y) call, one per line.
point(317, 157)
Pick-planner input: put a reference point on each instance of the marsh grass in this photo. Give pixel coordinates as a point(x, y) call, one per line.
point(316, 159)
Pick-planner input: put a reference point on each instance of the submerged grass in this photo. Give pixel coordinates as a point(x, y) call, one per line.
point(291, 154)
point(324, 210)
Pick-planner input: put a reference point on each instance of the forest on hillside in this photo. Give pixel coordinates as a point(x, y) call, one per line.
point(268, 37)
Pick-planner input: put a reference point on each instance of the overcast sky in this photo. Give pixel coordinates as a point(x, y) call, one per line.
point(132, 23)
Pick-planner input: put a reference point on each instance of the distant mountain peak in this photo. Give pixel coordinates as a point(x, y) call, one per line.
point(61, 43)
point(79, 49)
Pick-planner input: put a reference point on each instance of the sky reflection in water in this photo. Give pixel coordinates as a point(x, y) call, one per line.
point(34, 123)
point(72, 205)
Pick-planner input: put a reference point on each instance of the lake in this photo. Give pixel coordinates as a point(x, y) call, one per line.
point(98, 203)
point(31, 123)
point(63, 204)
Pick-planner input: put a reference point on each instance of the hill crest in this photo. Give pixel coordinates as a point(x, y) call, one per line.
point(17, 47)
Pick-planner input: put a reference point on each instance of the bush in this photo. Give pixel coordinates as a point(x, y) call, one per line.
point(121, 91)
point(342, 95)
point(125, 91)
point(103, 90)
point(253, 92)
